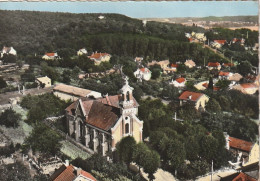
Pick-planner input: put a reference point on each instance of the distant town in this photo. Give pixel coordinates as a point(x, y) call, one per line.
point(107, 97)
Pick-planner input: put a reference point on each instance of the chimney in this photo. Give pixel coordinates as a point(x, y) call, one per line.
point(67, 163)
point(79, 171)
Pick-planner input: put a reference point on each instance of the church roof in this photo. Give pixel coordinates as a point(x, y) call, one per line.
point(102, 113)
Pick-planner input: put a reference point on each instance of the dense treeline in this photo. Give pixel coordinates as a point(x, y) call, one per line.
point(40, 32)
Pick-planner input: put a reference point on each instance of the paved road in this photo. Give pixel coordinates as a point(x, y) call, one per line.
point(5, 97)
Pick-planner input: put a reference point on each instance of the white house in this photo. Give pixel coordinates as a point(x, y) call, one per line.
point(50, 56)
point(224, 75)
point(99, 57)
point(82, 51)
point(8, 50)
point(143, 73)
point(214, 65)
point(180, 82)
point(190, 63)
point(43, 81)
point(246, 88)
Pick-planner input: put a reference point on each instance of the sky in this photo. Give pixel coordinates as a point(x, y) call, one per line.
point(143, 9)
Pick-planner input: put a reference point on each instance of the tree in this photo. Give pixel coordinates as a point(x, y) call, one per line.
point(15, 171)
point(139, 154)
point(223, 84)
point(125, 149)
point(156, 71)
point(244, 68)
point(10, 118)
point(66, 76)
point(213, 106)
point(3, 84)
point(151, 164)
point(44, 139)
point(210, 86)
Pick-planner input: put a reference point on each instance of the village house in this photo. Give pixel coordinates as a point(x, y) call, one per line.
point(226, 65)
point(199, 36)
point(214, 65)
point(218, 43)
point(171, 69)
point(250, 151)
point(43, 82)
point(246, 88)
point(8, 50)
point(138, 60)
point(143, 74)
point(235, 77)
point(99, 57)
point(71, 173)
point(224, 75)
point(163, 64)
point(180, 82)
point(190, 63)
point(237, 40)
point(198, 99)
point(82, 51)
point(68, 92)
point(50, 56)
point(99, 124)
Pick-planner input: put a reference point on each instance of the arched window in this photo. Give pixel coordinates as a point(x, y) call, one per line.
point(127, 96)
point(126, 128)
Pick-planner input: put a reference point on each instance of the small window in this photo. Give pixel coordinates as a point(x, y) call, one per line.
point(126, 128)
point(127, 96)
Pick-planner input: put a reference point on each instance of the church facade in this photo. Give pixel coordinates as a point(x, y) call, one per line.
point(99, 124)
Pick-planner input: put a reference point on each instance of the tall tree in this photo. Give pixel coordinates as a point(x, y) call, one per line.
point(126, 148)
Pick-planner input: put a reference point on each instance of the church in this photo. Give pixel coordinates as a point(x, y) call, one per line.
point(99, 124)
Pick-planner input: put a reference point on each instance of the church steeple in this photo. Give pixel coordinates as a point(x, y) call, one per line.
point(127, 95)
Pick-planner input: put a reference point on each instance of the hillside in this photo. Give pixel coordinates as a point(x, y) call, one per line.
point(38, 32)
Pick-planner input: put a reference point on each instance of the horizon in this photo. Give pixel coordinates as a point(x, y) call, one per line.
point(143, 9)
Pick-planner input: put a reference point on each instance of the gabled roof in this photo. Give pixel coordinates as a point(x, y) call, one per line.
point(180, 80)
point(222, 42)
point(50, 54)
point(66, 175)
point(243, 177)
point(221, 73)
point(43, 79)
point(193, 96)
point(174, 65)
point(248, 85)
point(102, 113)
point(228, 64)
point(240, 144)
point(69, 173)
point(98, 55)
point(190, 62)
point(144, 70)
point(213, 64)
point(72, 90)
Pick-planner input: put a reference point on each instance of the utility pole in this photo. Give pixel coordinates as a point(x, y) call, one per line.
point(211, 176)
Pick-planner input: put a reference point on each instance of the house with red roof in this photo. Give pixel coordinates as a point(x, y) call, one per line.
point(198, 99)
point(99, 57)
point(228, 65)
point(246, 88)
point(50, 56)
point(237, 40)
point(71, 173)
point(249, 150)
point(218, 43)
point(143, 74)
point(224, 75)
point(99, 124)
point(179, 82)
point(214, 65)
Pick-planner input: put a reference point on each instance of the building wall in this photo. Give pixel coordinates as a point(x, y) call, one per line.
point(254, 154)
point(117, 135)
point(137, 134)
point(94, 94)
point(65, 96)
point(202, 101)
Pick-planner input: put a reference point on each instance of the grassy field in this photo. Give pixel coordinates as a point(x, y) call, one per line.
point(72, 151)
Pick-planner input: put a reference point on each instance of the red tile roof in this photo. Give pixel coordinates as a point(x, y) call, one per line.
point(50, 54)
point(88, 175)
point(70, 174)
point(213, 64)
point(144, 70)
point(243, 177)
point(98, 55)
point(228, 64)
point(214, 87)
point(222, 42)
point(223, 73)
point(240, 144)
point(66, 175)
point(194, 95)
point(180, 80)
point(248, 85)
point(174, 65)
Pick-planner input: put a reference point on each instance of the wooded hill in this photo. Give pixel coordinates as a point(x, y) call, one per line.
point(39, 32)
